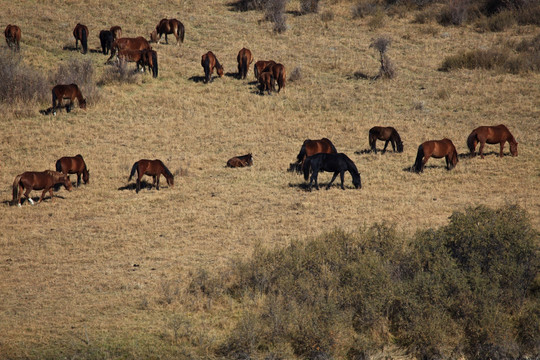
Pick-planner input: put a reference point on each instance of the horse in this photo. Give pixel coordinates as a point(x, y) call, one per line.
point(61, 92)
point(154, 168)
point(33, 180)
point(116, 32)
point(492, 135)
point(267, 82)
point(208, 62)
point(168, 26)
point(74, 165)
point(240, 161)
point(106, 38)
point(389, 134)
point(80, 32)
point(128, 55)
point(336, 163)
point(138, 43)
point(149, 58)
point(262, 66)
point(244, 59)
point(13, 37)
point(278, 71)
point(312, 147)
point(437, 149)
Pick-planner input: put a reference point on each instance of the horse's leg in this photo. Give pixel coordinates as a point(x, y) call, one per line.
point(139, 176)
point(19, 194)
point(43, 195)
point(78, 179)
point(373, 144)
point(51, 193)
point(342, 176)
point(385, 146)
point(27, 194)
point(166, 40)
point(502, 147)
point(331, 181)
point(393, 145)
point(424, 161)
point(157, 183)
point(481, 149)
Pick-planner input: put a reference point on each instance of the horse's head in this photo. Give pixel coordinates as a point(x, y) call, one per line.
point(357, 182)
point(66, 182)
point(513, 148)
point(250, 159)
point(82, 104)
point(154, 36)
point(220, 70)
point(170, 180)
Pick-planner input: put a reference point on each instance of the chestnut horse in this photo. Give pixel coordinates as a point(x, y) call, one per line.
point(154, 168)
point(244, 59)
point(81, 34)
point(116, 32)
point(149, 58)
point(138, 43)
point(262, 66)
point(278, 72)
point(267, 82)
point(32, 180)
point(491, 135)
point(208, 62)
point(336, 163)
point(128, 55)
point(240, 161)
point(312, 147)
point(61, 92)
point(13, 37)
point(437, 149)
point(106, 39)
point(73, 165)
point(168, 26)
point(389, 134)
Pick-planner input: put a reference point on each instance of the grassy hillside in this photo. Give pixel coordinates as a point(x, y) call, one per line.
point(104, 268)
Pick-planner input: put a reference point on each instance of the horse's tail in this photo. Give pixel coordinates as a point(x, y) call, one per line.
point(181, 32)
point(472, 141)
point(133, 169)
point(84, 40)
point(154, 64)
point(58, 165)
point(419, 157)
point(399, 143)
point(306, 167)
point(281, 78)
point(245, 64)
point(54, 99)
point(16, 187)
point(302, 154)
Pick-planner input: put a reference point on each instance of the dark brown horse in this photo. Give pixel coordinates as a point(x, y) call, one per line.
point(149, 58)
point(138, 43)
point(154, 168)
point(168, 26)
point(278, 72)
point(106, 39)
point(74, 165)
point(262, 66)
point(81, 34)
point(491, 135)
point(312, 147)
point(116, 32)
point(267, 82)
point(240, 161)
point(32, 180)
point(128, 55)
point(388, 134)
point(437, 149)
point(244, 59)
point(336, 163)
point(209, 61)
point(61, 92)
point(13, 37)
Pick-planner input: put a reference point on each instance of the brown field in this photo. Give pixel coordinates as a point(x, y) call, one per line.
point(67, 274)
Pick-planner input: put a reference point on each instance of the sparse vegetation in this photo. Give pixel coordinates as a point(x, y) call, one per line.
point(387, 69)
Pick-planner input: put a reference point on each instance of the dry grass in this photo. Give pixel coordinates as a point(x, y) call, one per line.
point(67, 274)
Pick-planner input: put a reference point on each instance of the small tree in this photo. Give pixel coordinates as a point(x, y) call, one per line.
point(275, 11)
point(309, 6)
point(387, 68)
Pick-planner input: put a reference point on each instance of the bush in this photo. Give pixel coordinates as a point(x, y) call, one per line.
point(80, 72)
point(309, 6)
point(118, 73)
point(296, 74)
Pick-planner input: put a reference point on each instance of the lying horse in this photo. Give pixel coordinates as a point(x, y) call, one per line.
point(168, 26)
point(267, 82)
point(208, 62)
point(13, 37)
point(32, 180)
point(278, 72)
point(262, 66)
point(244, 59)
point(389, 134)
point(81, 34)
point(74, 165)
point(312, 147)
point(61, 92)
point(437, 149)
point(154, 168)
point(336, 163)
point(240, 161)
point(106, 39)
point(149, 58)
point(491, 135)
point(116, 32)
point(138, 43)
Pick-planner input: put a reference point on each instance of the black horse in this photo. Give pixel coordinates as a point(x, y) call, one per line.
point(336, 163)
point(106, 39)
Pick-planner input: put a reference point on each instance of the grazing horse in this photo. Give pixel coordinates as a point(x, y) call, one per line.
point(168, 26)
point(138, 43)
point(389, 134)
point(106, 38)
point(74, 165)
point(208, 62)
point(61, 92)
point(13, 37)
point(149, 58)
point(262, 66)
point(336, 163)
point(81, 34)
point(154, 168)
point(32, 180)
point(278, 71)
point(116, 32)
point(267, 82)
point(491, 135)
point(244, 59)
point(128, 55)
point(312, 147)
point(240, 161)
point(437, 149)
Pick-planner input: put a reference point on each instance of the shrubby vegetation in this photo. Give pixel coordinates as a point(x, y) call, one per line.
point(469, 289)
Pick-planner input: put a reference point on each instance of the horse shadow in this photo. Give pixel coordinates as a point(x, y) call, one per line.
point(363, 151)
point(303, 185)
point(233, 75)
point(411, 168)
point(133, 186)
point(197, 79)
point(35, 199)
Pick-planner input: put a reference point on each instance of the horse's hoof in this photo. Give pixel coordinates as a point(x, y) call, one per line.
point(19, 205)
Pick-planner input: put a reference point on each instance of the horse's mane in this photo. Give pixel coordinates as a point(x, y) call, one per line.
point(218, 65)
point(471, 141)
point(167, 171)
point(397, 140)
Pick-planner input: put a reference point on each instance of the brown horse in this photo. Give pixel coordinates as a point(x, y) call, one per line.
point(61, 92)
point(149, 58)
point(262, 66)
point(138, 43)
point(278, 71)
point(81, 34)
point(389, 134)
point(168, 26)
point(244, 59)
point(240, 161)
point(437, 149)
point(74, 165)
point(154, 168)
point(116, 32)
point(267, 82)
point(312, 147)
point(491, 135)
point(13, 37)
point(209, 61)
point(32, 180)
point(128, 55)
